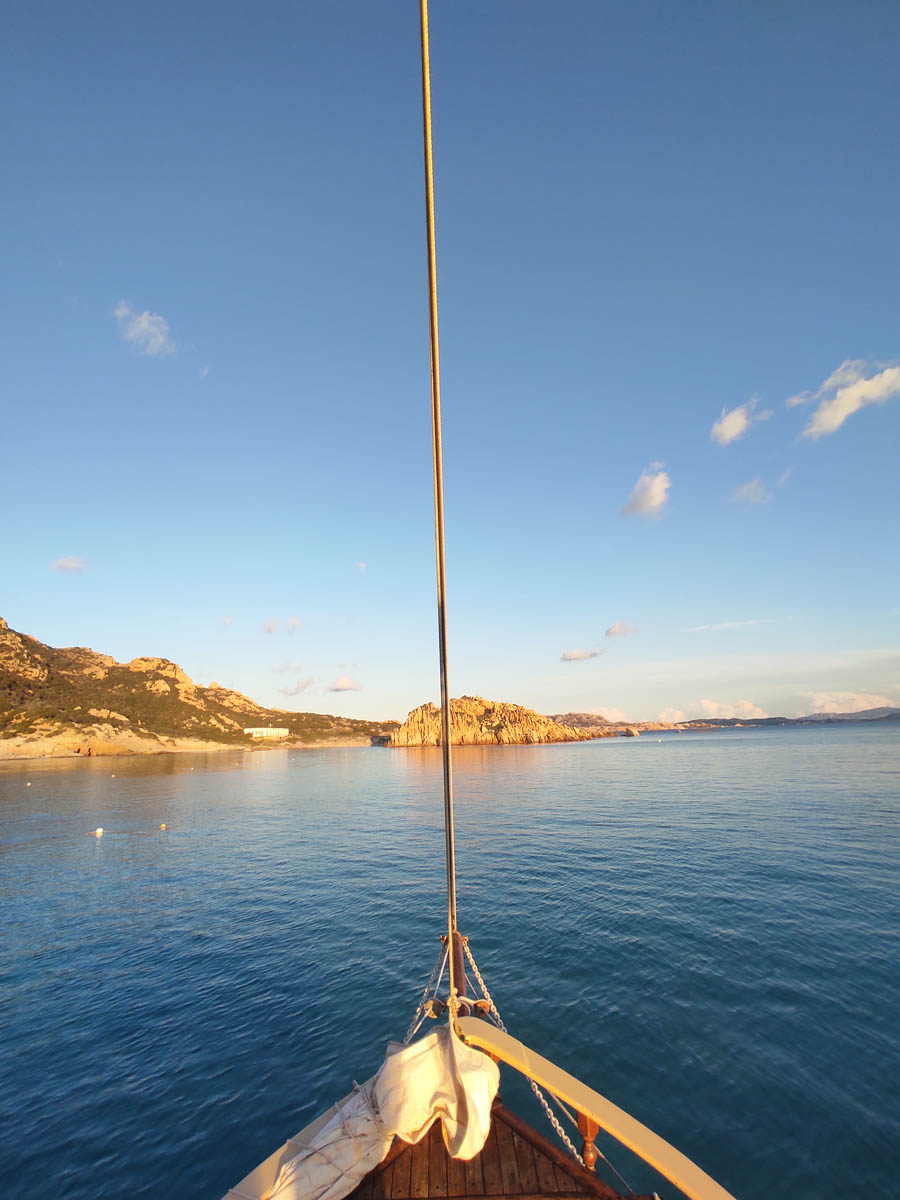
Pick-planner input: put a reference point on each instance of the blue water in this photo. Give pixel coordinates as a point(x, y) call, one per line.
point(704, 929)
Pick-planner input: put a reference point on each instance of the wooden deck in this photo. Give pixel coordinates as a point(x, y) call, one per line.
point(516, 1162)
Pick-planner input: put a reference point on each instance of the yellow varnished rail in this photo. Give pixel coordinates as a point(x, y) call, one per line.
point(653, 1149)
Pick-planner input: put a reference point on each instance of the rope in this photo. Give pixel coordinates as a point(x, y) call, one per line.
point(440, 961)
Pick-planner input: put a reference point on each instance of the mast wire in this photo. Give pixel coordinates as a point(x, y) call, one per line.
point(437, 457)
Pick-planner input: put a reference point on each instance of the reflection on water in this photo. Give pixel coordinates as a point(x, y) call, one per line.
point(704, 928)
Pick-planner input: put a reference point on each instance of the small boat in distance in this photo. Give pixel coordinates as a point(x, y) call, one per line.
point(429, 1122)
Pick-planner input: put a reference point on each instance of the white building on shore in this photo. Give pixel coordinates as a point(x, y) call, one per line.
point(267, 731)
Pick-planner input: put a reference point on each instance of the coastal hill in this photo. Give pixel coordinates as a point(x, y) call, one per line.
point(76, 701)
point(478, 722)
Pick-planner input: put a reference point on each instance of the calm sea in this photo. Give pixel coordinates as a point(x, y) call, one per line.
point(704, 928)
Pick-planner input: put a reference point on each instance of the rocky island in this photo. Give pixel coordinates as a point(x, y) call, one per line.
point(478, 722)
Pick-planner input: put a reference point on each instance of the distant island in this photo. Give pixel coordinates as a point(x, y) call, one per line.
point(76, 702)
point(59, 703)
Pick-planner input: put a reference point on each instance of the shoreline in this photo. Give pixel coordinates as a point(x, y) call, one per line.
point(40, 752)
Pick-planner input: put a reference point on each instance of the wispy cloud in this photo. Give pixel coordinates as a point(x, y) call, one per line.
point(754, 491)
point(302, 685)
point(147, 332)
point(850, 370)
point(293, 624)
point(204, 372)
point(614, 715)
point(727, 625)
point(578, 655)
point(784, 477)
point(287, 667)
point(650, 492)
point(734, 422)
point(71, 564)
point(360, 566)
point(344, 683)
point(621, 629)
point(846, 391)
point(672, 716)
point(270, 626)
point(840, 702)
point(743, 708)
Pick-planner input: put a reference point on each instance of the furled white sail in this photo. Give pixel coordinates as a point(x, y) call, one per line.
point(438, 1077)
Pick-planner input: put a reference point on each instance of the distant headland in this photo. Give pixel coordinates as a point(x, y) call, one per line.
point(75, 702)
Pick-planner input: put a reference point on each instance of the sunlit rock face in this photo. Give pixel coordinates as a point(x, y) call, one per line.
point(478, 722)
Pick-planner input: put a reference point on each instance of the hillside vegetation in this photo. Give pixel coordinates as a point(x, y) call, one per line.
point(88, 703)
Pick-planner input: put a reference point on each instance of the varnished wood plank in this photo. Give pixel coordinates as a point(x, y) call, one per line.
point(456, 1177)
point(490, 1165)
point(564, 1181)
point(418, 1179)
point(363, 1191)
point(437, 1162)
point(381, 1183)
point(474, 1177)
point(546, 1173)
point(402, 1171)
point(586, 1181)
point(525, 1161)
point(508, 1167)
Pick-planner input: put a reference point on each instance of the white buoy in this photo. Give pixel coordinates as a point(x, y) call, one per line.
point(28, 784)
point(98, 832)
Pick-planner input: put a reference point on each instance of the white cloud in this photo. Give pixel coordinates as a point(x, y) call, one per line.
point(578, 655)
point(784, 477)
point(850, 370)
point(621, 629)
point(672, 716)
point(302, 685)
point(650, 492)
point(745, 709)
point(840, 702)
point(344, 683)
point(727, 625)
point(360, 566)
point(147, 332)
point(834, 409)
point(293, 624)
point(613, 715)
point(71, 564)
point(734, 422)
point(754, 491)
point(270, 626)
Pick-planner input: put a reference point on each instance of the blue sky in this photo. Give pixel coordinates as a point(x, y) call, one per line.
point(657, 224)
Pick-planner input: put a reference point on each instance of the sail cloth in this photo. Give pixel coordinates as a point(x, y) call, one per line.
point(438, 1077)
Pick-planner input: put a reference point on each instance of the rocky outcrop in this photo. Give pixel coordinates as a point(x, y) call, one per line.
point(590, 723)
point(478, 722)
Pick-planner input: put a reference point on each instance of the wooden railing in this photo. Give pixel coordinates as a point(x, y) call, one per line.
point(595, 1112)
